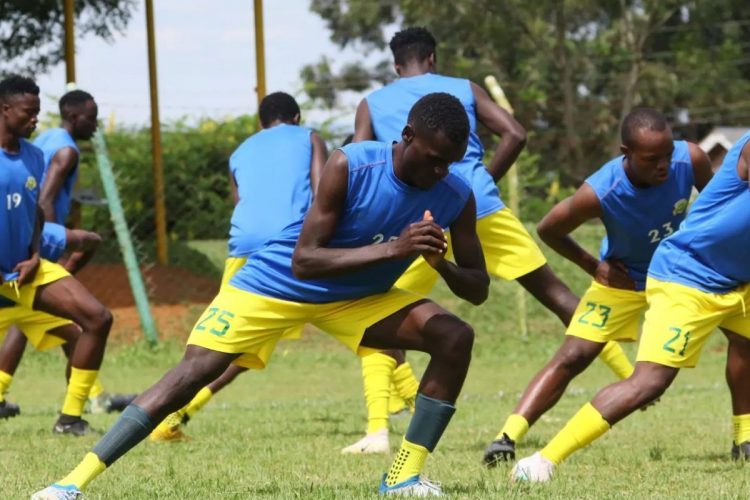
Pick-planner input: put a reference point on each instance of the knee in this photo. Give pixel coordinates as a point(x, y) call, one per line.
point(649, 387)
point(457, 342)
point(99, 321)
point(571, 361)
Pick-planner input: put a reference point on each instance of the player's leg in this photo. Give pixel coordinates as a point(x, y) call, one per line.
point(738, 374)
point(67, 298)
point(11, 354)
point(170, 428)
point(426, 327)
point(82, 245)
point(198, 367)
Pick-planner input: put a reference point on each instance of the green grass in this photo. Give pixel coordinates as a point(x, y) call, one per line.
point(277, 433)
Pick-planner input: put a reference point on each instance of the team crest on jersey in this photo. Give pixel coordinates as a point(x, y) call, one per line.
point(31, 183)
point(680, 206)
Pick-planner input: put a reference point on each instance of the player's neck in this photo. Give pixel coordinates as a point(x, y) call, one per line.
point(631, 175)
point(415, 69)
point(8, 141)
point(397, 150)
point(68, 127)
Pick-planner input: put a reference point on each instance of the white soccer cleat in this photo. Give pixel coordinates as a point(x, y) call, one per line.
point(58, 492)
point(376, 442)
point(535, 469)
point(413, 487)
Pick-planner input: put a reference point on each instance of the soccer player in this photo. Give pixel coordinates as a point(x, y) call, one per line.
point(33, 284)
point(377, 208)
point(78, 112)
point(510, 251)
point(266, 200)
point(641, 197)
point(697, 281)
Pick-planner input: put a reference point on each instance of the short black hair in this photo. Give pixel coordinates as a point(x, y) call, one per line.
point(639, 119)
point(74, 98)
point(412, 44)
point(17, 85)
point(277, 106)
point(441, 112)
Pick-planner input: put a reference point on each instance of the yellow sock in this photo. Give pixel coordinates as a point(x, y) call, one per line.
point(515, 428)
point(408, 463)
point(395, 402)
point(377, 371)
point(585, 426)
point(741, 428)
point(5, 380)
point(198, 402)
point(614, 357)
point(97, 389)
point(79, 387)
point(85, 472)
point(406, 383)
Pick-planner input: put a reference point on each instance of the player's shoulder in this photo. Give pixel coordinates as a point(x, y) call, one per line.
point(607, 177)
point(457, 184)
point(365, 154)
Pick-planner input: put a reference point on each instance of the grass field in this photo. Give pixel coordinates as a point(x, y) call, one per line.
point(277, 433)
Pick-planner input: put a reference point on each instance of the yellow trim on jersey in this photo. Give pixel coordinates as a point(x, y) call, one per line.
point(680, 319)
point(509, 252)
point(605, 313)
point(240, 322)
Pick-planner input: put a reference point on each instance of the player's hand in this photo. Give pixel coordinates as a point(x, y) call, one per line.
point(614, 274)
point(434, 258)
point(27, 269)
point(423, 237)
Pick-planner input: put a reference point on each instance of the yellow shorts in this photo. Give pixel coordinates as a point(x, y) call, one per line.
point(509, 251)
point(231, 266)
point(239, 322)
point(605, 313)
point(680, 319)
point(34, 324)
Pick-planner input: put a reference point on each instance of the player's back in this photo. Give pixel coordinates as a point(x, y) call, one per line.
point(389, 109)
point(19, 188)
point(637, 219)
point(272, 172)
point(710, 250)
point(50, 142)
point(378, 207)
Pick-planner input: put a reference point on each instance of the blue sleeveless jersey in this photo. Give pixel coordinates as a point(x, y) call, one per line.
point(710, 252)
point(389, 108)
point(272, 171)
point(637, 219)
point(20, 176)
point(50, 142)
point(378, 207)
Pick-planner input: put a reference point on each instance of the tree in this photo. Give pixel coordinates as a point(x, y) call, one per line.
point(32, 32)
point(574, 68)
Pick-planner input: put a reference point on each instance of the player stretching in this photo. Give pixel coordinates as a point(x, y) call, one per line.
point(266, 201)
point(510, 251)
point(697, 281)
point(59, 146)
point(641, 197)
point(38, 286)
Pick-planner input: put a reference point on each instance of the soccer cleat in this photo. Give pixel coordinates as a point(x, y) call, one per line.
point(58, 492)
point(535, 469)
point(168, 430)
point(8, 409)
point(375, 442)
point(412, 487)
point(741, 450)
point(500, 450)
point(108, 403)
point(78, 427)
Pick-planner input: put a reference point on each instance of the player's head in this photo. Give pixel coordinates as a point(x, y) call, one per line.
point(436, 135)
point(412, 46)
point(647, 146)
point(278, 107)
point(79, 111)
point(19, 105)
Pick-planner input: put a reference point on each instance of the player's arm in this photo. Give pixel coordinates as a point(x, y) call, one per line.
point(27, 269)
point(702, 171)
point(362, 123)
point(83, 245)
point(318, 160)
point(60, 167)
point(743, 164)
point(468, 277)
point(501, 123)
point(314, 259)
